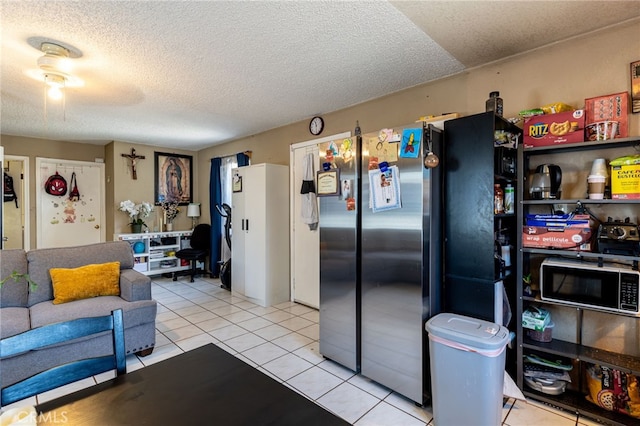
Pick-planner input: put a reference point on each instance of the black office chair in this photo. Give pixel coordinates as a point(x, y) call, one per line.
point(200, 244)
point(52, 334)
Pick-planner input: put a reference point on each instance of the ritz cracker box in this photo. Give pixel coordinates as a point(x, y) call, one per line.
point(554, 129)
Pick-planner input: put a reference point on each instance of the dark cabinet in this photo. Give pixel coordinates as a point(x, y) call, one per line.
point(478, 247)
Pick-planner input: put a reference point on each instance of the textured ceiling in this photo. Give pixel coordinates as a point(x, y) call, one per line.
point(192, 74)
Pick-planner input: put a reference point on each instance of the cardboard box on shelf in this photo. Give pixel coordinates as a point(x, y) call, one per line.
point(614, 107)
point(554, 129)
point(625, 182)
point(535, 318)
point(569, 238)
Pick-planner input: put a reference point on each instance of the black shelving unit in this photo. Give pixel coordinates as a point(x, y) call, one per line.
point(473, 268)
point(575, 352)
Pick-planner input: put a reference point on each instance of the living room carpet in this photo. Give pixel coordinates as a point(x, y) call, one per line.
point(204, 386)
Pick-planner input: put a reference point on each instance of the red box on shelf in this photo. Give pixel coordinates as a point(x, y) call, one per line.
point(569, 238)
point(614, 107)
point(554, 129)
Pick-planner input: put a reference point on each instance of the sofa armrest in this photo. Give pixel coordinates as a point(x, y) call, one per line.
point(134, 286)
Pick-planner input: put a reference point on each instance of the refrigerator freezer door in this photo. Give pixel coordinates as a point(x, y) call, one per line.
point(339, 263)
point(400, 263)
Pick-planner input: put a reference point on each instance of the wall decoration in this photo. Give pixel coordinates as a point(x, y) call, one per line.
point(173, 178)
point(237, 182)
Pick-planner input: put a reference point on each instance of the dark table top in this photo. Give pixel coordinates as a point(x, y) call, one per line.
point(203, 386)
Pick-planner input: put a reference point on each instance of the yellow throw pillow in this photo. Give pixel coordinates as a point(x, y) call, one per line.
point(87, 281)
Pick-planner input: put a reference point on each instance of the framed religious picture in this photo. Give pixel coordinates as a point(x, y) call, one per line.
point(173, 178)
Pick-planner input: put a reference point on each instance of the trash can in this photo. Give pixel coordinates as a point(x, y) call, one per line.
point(467, 360)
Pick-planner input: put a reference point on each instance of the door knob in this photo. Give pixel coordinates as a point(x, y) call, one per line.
point(5, 238)
point(96, 226)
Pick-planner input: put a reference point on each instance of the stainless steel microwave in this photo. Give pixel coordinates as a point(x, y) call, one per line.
point(609, 287)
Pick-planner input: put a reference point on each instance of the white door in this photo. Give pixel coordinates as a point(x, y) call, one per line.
point(305, 243)
point(255, 223)
point(62, 222)
point(15, 218)
point(238, 235)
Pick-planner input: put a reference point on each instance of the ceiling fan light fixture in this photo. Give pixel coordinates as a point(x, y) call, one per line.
point(56, 84)
point(56, 58)
point(55, 68)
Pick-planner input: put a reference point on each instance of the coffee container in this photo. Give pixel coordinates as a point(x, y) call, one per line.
point(494, 103)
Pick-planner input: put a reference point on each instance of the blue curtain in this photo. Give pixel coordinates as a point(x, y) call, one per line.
point(215, 199)
point(243, 159)
point(216, 220)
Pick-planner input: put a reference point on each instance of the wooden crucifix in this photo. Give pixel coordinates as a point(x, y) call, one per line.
point(134, 158)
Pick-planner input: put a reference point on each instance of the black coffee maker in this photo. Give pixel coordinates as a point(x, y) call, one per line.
point(545, 182)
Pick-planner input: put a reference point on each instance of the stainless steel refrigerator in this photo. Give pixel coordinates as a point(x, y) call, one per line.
point(402, 273)
point(339, 227)
point(381, 266)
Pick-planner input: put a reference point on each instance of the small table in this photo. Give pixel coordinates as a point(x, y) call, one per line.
point(204, 386)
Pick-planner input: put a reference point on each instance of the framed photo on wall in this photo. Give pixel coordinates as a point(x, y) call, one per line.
point(173, 178)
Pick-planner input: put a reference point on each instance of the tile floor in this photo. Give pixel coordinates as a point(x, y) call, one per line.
point(282, 341)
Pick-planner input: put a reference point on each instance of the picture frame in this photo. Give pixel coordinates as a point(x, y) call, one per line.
point(328, 183)
point(173, 177)
point(236, 182)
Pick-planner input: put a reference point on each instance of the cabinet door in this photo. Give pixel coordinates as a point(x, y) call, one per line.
point(238, 237)
point(255, 181)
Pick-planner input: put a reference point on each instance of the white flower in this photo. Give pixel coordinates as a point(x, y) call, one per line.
point(136, 211)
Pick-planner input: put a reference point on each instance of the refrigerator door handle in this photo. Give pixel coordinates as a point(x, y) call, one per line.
point(247, 225)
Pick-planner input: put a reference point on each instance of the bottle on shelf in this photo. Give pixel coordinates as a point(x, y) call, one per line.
point(498, 199)
point(494, 103)
point(509, 199)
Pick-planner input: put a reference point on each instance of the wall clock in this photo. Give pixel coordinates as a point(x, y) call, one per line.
point(316, 125)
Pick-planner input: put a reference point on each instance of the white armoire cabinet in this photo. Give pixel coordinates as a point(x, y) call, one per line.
point(260, 233)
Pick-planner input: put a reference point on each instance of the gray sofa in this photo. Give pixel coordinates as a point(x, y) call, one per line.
point(22, 307)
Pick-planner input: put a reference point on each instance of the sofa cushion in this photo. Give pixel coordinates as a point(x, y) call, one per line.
point(41, 260)
point(134, 313)
point(13, 321)
point(13, 293)
point(92, 280)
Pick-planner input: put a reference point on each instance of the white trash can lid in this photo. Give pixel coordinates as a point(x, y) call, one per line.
point(472, 332)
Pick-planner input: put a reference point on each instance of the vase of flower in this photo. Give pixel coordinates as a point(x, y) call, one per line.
point(137, 212)
point(171, 210)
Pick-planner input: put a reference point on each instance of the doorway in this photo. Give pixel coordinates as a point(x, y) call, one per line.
point(16, 229)
point(305, 243)
point(63, 221)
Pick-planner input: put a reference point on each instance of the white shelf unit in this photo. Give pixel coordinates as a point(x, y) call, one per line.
point(158, 256)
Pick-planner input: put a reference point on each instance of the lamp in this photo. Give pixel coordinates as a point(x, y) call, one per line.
point(193, 211)
point(54, 67)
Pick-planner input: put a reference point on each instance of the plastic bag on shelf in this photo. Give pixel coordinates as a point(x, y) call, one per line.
point(614, 390)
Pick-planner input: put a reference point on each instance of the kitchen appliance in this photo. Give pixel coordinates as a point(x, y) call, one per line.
point(578, 283)
point(617, 237)
point(380, 272)
point(339, 229)
point(545, 182)
point(402, 270)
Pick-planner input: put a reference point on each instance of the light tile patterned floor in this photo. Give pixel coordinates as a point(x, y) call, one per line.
point(282, 342)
